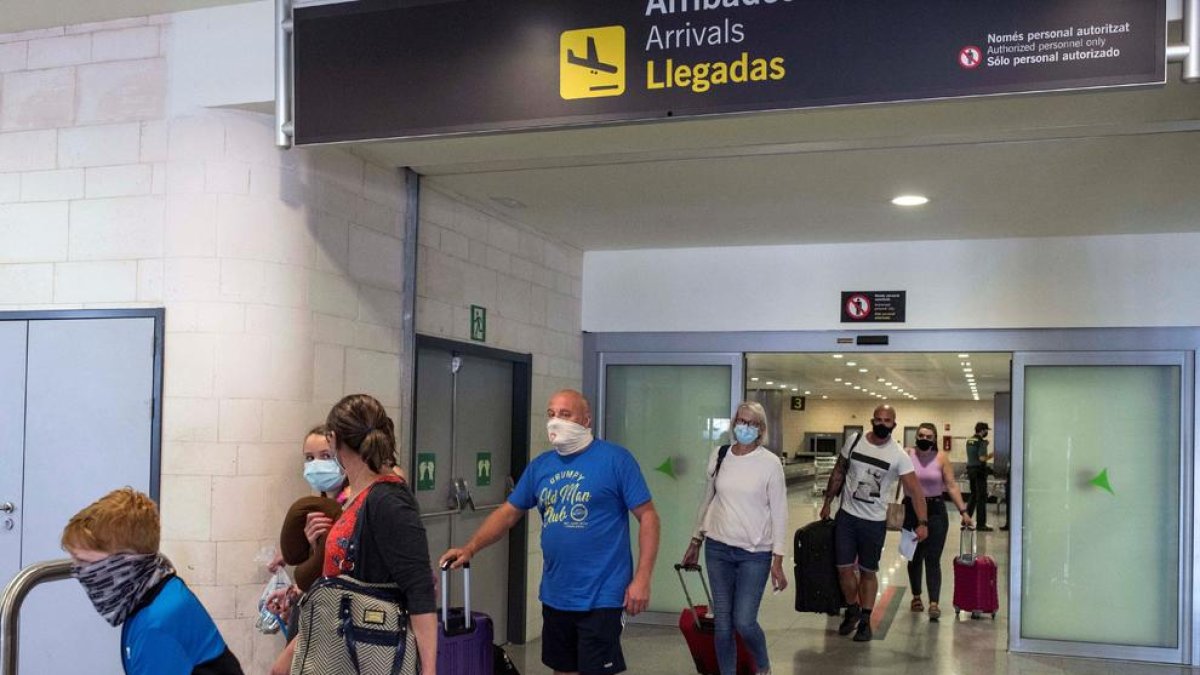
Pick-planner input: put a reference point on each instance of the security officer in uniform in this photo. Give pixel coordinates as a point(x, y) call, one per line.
point(977, 473)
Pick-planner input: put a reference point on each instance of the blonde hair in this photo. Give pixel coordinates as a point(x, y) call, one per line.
point(760, 416)
point(122, 520)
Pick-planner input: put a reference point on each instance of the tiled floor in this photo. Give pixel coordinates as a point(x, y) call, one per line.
point(808, 643)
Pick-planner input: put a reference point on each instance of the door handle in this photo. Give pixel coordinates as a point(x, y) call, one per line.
point(7, 507)
point(464, 493)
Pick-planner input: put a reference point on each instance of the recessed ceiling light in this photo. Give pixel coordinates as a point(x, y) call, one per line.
point(968, 370)
point(807, 393)
point(824, 397)
point(837, 356)
point(837, 379)
point(784, 386)
point(964, 356)
point(883, 397)
point(879, 379)
point(848, 384)
point(754, 379)
point(769, 383)
point(851, 364)
point(862, 370)
point(858, 389)
point(795, 389)
point(910, 200)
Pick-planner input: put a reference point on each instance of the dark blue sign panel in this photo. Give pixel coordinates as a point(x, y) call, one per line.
point(376, 69)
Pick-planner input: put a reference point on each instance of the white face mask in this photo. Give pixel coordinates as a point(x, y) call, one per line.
point(566, 436)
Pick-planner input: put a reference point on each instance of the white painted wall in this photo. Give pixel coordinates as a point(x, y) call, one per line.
point(1109, 281)
point(530, 286)
point(280, 271)
point(222, 56)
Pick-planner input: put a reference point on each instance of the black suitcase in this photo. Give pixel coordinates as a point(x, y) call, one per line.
point(817, 587)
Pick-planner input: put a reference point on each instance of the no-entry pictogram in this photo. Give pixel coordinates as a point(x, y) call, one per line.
point(868, 307)
point(970, 57)
point(858, 306)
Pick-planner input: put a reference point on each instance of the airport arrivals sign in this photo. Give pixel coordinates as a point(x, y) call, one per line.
point(370, 69)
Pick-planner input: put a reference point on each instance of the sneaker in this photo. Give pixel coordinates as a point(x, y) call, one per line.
point(864, 632)
point(848, 623)
point(935, 612)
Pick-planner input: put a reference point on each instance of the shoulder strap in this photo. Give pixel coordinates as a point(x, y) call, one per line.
point(854, 445)
point(721, 452)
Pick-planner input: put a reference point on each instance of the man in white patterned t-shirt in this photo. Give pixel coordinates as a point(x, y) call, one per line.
point(865, 476)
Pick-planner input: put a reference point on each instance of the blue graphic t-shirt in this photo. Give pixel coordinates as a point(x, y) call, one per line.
point(584, 500)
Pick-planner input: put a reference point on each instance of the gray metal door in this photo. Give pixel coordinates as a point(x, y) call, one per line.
point(12, 442)
point(88, 430)
point(462, 459)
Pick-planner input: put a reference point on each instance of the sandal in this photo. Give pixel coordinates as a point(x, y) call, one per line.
point(917, 605)
point(935, 612)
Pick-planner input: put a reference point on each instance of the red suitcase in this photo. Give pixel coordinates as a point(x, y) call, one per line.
point(975, 580)
point(464, 637)
point(698, 629)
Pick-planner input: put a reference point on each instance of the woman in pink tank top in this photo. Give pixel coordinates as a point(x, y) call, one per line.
point(937, 479)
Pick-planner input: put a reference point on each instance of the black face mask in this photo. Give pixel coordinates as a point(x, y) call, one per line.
point(881, 431)
point(924, 443)
point(983, 434)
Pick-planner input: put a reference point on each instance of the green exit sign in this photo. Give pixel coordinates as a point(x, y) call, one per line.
point(478, 323)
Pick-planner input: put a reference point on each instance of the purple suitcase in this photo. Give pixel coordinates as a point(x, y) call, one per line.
point(464, 637)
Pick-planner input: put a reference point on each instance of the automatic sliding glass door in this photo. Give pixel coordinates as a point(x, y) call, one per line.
point(1102, 462)
point(670, 410)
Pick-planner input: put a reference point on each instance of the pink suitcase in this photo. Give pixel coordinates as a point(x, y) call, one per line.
point(975, 580)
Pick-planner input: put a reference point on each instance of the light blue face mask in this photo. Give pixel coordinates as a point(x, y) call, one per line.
point(745, 434)
point(324, 475)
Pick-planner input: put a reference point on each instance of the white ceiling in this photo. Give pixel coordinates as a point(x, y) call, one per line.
point(1113, 162)
point(925, 376)
point(22, 15)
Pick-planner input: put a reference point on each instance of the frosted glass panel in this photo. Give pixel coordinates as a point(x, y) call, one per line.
point(670, 418)
point(1101, 505)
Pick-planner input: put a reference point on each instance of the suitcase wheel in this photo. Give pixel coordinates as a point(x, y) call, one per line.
point(976, 615)
point(993, 616)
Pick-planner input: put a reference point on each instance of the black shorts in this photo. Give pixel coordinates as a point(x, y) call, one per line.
point(585, 642)
point(858, 541)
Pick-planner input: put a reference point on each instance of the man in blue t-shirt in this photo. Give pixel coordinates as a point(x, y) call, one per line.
point(584, 491)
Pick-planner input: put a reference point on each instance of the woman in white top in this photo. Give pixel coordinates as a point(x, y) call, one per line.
point(742, 523)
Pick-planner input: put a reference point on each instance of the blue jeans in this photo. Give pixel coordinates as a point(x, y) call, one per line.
point(738, 579)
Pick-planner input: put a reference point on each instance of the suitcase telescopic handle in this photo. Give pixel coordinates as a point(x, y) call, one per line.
point(466, 568)
point(974, 544)
point(688, 596)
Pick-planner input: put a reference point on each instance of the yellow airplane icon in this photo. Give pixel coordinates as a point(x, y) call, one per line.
point(589, 75)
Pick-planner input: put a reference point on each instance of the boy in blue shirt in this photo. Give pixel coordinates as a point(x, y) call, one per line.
point(584, 491)
point(164, 628)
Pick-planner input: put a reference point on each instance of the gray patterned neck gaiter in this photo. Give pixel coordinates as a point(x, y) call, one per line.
point(116, 584)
